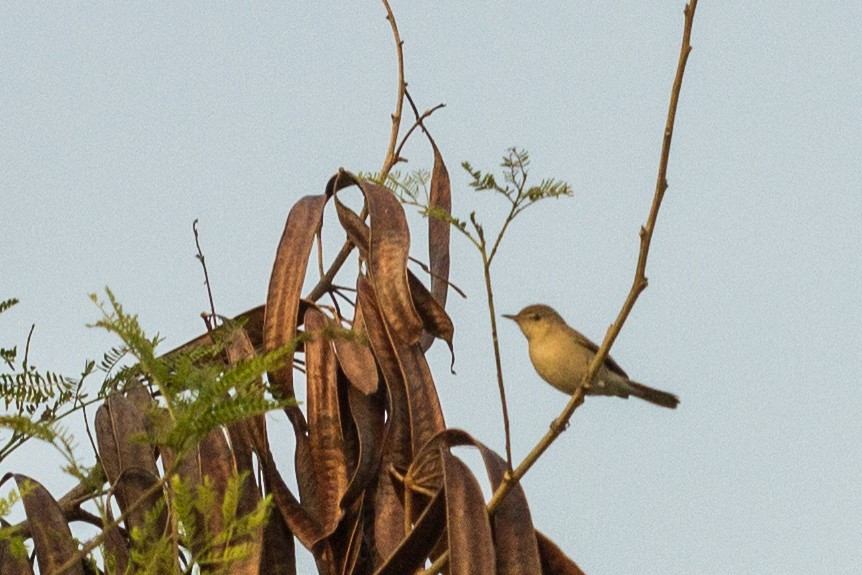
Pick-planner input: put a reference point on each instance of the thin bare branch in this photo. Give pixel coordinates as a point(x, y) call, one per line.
point(88, 430)
point(391, 154)
point(638, 285)
point(200, 257)
point(428, 271)
point(418, 123)
point(389, 161)
point(25, 363)
point(497, 362)
point(319, 240)
point(324, 283)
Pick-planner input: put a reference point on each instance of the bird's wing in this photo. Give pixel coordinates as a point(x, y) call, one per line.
point(609, 361)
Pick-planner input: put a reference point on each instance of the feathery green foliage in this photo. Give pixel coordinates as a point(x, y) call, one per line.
point(26, 388)
point(196, 390)
point(213, 529)
point(151, 553)
point(8, 355)
point(7, 303)
point(199, 390)
point(8, 535)
point(7, 502)
point(515, 164)
point(33, 400)
point(412, 189)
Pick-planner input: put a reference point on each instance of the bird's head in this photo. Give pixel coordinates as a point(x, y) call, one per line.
point(536, 320)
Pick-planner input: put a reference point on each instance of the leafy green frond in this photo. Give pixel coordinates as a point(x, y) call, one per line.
point(410, 187)
point(199, 390)
point(204, 354)
point(247, 373)
point(9, 355)
point(515, 163)
point(549, 188)
point(195, 419)
point(30, 389)
point(7, 303)
point(211, 524)
point(209, 396)
point(118, 380)
point(112, 357)
point(368, 176)
point(25, 426)
point(482, 182)
point(12, 536)
point(127, 327)
point(151, 552)
point(441, 214)
point(64, 442)
point(30, 394)
point(6, 504)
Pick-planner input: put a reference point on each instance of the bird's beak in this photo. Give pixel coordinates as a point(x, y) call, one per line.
point(511, 317)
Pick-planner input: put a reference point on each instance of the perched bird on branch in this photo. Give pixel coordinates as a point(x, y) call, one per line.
point(562, 355)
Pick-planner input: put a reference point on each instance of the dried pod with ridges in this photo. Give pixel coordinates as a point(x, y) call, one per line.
point(52, 538)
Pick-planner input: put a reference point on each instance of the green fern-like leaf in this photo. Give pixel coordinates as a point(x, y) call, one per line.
point(112, 357)
point(217, 544)
point(8, 303)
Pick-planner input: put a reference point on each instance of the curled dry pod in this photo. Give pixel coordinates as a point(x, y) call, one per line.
point(285, 284)
point(129, 464)
point(12, 563)
point(325, 438)
point(471, 545)
point(397, 450)
point(51, 535)
point(439, 230)
point(212, 462)
point(355, 357)
point(388, 252)
point(435, 321)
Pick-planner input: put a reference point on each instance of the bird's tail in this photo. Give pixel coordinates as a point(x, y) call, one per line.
point(651, 395)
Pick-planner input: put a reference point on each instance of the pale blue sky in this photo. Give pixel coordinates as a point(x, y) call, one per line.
point(123, 124)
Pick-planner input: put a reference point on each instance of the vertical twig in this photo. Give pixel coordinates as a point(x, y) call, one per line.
point(418, 122)
point(391, 157)
point(24, 363)
point(389, 161)
point(495, 340)
point(497, 361)
point(487, 260)
point(200, 257)
point(319, 237)
point(638, 285)
point(87, 429)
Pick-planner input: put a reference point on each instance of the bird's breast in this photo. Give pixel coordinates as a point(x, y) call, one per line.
point(560, 361)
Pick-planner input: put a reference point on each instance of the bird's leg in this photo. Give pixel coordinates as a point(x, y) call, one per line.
point(559, 425)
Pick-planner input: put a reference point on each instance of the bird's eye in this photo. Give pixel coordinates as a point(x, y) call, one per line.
point(535, 317)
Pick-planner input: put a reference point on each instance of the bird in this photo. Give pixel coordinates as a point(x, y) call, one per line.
point(562, 355)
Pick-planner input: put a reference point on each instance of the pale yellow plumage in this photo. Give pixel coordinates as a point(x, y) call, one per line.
point(562, 355)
